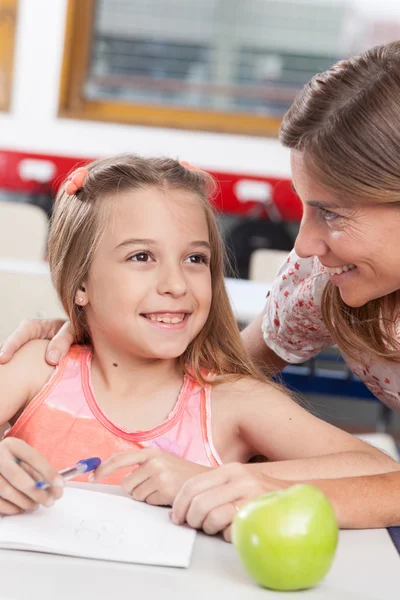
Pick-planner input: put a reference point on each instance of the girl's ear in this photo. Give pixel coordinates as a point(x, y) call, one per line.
point(81, 298)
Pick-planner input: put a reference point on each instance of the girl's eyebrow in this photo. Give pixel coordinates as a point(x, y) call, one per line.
point(148, 242)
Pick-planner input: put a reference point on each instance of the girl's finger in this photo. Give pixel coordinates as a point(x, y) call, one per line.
point(16, 451)
point(138, 484)
point(15, 497)
point(7, 508)
point(62, 339)
point(132, 458)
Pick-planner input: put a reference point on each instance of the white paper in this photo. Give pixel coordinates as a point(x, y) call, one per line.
point(95, 525)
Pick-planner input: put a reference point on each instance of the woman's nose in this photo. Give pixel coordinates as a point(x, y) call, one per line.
point(309, 241)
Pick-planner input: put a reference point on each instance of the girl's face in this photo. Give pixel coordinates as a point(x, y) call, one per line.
point(148, 293)
point(358, 243)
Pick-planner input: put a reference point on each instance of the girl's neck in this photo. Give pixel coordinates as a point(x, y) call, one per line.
point(122, 372)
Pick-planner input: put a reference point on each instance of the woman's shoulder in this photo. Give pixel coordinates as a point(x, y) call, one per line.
point(293, 326)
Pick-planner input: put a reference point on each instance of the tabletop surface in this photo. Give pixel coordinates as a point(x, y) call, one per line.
point(366, 567)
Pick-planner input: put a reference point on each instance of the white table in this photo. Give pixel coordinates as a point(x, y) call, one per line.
point(247, 297)
point(366, 567)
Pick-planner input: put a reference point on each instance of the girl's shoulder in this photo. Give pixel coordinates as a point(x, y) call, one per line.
point(245, 391)
point(293, 325)
point(23, 377)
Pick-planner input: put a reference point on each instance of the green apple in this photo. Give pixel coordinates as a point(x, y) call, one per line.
point(287, 539)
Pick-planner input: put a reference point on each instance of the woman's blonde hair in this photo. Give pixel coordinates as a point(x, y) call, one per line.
point(78, 222)
point(345, 123)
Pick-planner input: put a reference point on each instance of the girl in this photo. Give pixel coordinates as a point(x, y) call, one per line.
point(158, 382)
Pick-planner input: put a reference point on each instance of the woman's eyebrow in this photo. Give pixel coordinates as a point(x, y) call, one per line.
point(318, 204)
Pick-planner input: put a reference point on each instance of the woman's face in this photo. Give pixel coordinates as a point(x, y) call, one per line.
point(358, 243)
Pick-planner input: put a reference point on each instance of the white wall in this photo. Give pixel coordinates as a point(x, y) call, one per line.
point(33, 124)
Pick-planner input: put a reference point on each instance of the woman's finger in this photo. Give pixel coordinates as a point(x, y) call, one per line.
point(28, 329)
point(219, 519)
point(227, 534)
point(194, 487)
point(206, 502)
point(62, 339)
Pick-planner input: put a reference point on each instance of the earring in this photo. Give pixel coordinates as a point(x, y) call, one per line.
point(80, 299)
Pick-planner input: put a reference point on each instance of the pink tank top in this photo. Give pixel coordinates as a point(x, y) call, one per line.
point(65, 423)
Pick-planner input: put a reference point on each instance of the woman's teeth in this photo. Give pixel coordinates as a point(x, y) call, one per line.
point(339, 270)
point(172, 320)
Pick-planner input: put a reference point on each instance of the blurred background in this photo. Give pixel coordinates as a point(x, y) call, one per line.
point(207, 82)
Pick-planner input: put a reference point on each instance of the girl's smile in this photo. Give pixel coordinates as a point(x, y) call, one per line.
point(173, 321)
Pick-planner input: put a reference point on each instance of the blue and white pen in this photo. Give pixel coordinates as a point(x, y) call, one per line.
point(83, 466)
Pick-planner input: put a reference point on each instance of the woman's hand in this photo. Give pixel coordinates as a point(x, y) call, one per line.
point(21, 466)
point(58, 331)
point(211, 500)
point(157, 478)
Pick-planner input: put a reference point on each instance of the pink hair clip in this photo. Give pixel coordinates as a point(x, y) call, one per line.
point(75, 181)
point(189, 166)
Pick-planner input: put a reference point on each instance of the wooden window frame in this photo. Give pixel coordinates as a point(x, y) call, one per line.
point(77, 48)
point(8, 26)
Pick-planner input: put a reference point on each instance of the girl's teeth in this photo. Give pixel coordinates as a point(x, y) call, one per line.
point(172, 320)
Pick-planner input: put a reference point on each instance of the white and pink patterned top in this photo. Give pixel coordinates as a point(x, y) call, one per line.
point(294, 329)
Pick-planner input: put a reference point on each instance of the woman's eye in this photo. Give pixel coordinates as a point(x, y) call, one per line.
point(198, 259)
point(140, 257)
point(328, 215)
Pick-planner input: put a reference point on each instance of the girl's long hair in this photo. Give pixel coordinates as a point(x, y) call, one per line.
point(78, 222)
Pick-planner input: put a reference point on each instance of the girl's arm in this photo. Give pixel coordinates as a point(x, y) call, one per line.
point(298, 445)
point(22, 378)
point(20, 464)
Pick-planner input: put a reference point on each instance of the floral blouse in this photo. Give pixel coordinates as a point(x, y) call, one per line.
point(294, 329)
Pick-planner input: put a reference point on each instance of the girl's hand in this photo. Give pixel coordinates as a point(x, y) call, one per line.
point(58, 331)
point(20, 467)
point(157, 478)
point(211, 500)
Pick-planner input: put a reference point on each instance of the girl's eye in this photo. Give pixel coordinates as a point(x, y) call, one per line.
point(328, 215)
point(140, 257)
point(198, 259)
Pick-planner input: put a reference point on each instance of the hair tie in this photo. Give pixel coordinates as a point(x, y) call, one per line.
point(75, 181)
point(189, 166)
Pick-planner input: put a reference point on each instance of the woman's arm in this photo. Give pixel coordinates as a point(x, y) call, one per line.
point(58, 331)
point(265, 358)
point(209, 501)
point(298, 445)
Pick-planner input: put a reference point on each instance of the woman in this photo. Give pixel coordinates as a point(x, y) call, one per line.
point(341, 283)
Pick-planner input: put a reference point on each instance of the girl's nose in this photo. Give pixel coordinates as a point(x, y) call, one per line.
point(172, 281)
